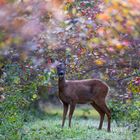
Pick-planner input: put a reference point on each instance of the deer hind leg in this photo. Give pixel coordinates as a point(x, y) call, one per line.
point(104, 108)
point(108, 118)
point(65, 110)
point(72, 107)
point(102, 114)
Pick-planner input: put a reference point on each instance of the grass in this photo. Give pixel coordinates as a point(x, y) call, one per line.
point(50, 129)
point(82, 111)
point(84, 127)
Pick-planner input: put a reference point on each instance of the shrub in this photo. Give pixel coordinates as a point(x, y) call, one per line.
point(126, 114)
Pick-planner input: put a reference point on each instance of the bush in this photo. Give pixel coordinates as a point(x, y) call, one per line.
point(126, 114)
point(17, 108)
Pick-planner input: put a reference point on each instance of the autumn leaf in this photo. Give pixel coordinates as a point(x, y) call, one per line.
point(103, 16)
point(2, 2)
point(99, 62)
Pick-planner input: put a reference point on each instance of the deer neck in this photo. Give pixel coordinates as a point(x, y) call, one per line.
point(61, 84)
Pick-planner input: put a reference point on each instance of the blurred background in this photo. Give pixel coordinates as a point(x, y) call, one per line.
point(95, 38)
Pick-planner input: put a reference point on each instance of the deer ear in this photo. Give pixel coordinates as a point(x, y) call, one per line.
point(65, 63)
point(61, 61)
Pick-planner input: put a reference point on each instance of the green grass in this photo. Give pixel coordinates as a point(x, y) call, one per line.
point(50, 129)
point(84, 127)
point(82, 111)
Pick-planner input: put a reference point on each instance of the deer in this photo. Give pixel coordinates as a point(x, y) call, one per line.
point(88, 91)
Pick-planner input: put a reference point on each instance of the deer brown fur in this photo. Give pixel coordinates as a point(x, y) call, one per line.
point(92, 91)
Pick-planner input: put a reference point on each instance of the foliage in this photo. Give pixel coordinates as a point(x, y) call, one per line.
point(21, 94)
point(96, 39)
point(126, 113)
point(12, 113)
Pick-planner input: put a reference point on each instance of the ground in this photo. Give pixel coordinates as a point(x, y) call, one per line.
point(84, 127)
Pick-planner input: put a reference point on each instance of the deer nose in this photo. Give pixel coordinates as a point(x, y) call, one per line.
point(61, 73)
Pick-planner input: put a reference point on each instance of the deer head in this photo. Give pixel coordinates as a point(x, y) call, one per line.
point(61, 69)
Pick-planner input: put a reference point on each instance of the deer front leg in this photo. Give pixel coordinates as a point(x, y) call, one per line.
point(65, 110)
point(72, 107)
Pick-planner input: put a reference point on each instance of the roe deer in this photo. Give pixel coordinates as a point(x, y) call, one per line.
point(72, 92)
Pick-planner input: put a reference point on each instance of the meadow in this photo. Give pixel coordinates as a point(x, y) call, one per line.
point(84, 127)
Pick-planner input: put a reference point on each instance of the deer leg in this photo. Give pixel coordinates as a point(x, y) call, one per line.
point(65, 110)
point(102, 114)
point(108, 118)
point(104, 107)
point(72, 107)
